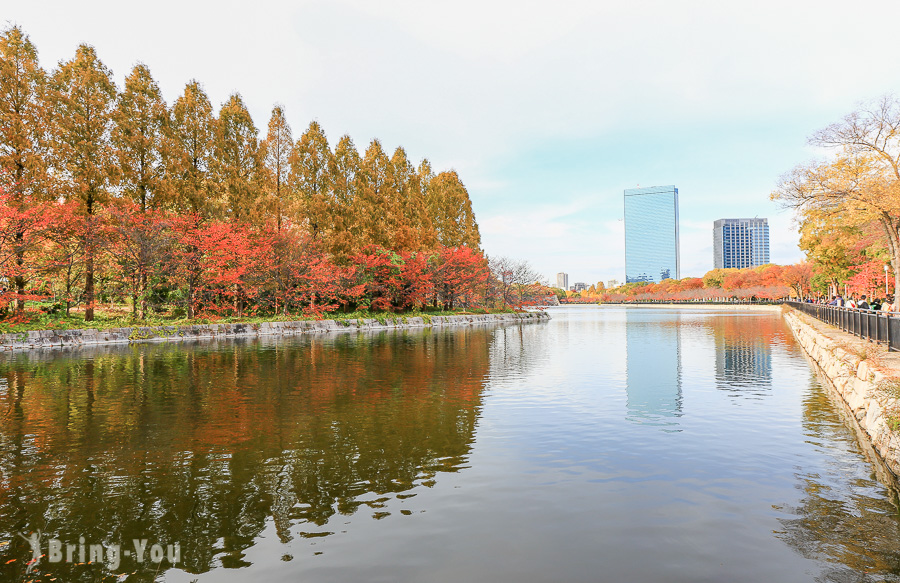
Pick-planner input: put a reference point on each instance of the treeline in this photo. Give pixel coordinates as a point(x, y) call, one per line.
point(767, 282)
point(105, 188)
point(848, 205)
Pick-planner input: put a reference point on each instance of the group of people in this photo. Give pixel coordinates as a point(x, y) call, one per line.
point(863, 303)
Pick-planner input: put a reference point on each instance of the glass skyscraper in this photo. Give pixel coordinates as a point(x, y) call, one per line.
point(740, 243)
point(651, 234)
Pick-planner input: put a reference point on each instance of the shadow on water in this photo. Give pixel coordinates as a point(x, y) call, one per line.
point(207, 443)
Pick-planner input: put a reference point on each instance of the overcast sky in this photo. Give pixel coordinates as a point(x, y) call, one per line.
point(548, 110)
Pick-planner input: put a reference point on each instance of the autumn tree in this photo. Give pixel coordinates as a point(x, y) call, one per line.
point(278, 146)
point(237, 161)
point(311, 178)
point(346, 236)
point(189, 152)
point(376, 199)
point(861, 183)
point(137, 137)
point(23, 139)
point(412, 229)
point(83, 98)
point(451, 211)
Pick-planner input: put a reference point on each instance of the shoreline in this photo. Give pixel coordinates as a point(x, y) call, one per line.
point(856, 373)
point(42, 339)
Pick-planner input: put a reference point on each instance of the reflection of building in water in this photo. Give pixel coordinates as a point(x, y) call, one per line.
point(653, 368)
point(743, 357)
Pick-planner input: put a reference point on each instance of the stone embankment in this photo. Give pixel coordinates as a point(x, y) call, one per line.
point(71, 338)
point(865, 376)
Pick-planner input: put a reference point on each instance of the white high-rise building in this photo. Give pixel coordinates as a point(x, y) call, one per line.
point(562, 280)
point(740, 243)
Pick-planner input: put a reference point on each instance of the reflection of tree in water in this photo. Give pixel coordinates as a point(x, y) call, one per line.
point(844, 519)
point(744, 353)
point(204, 444)
point(515, 350)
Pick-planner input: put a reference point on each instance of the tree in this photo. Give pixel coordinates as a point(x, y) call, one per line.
point(23, 133)
point(83, 94)
point(376, 200)
point(237, 162)
point(412, 230)
point(862, 183)
point(278, 147)
point(310, 165)
point(141, 243)
point(190, 142)
point(799, 278)
point(451, 211)
point(137, 136)
point(346, 236)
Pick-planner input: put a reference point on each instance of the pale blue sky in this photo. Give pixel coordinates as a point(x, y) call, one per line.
point(547, 110)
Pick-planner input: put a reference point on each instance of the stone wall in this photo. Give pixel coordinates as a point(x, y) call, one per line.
point(68, 338)
point(857, 371)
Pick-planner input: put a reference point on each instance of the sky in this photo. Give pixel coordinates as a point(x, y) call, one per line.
point(547, 110)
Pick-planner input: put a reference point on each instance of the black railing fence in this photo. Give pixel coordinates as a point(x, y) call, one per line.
point(877, 326)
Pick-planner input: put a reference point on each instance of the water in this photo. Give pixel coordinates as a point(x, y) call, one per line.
point(609, 444)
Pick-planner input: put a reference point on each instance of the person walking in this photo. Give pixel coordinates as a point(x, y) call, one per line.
point(863, 304)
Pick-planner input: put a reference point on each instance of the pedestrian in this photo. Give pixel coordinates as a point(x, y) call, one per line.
point(863, 304)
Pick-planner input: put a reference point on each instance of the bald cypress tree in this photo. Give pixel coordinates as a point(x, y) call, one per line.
point(140, 118)
point(23, 133)
point(237, 162)
point(278, 147)
point(189, 150)
point(311, 163)
point(83, 98)
point(346, 236)
point(451, 211)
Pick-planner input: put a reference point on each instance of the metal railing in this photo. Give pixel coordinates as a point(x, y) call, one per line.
point(876, 326)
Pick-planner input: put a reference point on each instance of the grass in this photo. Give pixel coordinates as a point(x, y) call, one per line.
point(119, 316)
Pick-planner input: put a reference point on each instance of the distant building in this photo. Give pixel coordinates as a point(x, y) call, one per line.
point(740, 243)
point(562, 280)
point(612, 283)
point(580, 286)
point(651, 234)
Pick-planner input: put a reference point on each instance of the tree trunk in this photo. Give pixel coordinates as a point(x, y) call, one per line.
point(89, 285)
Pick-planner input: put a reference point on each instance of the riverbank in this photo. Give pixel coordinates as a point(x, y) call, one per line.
point(91, 337)
point(866, 377)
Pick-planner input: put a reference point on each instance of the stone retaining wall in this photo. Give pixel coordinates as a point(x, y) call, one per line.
point(69, 338)
point(856, 371)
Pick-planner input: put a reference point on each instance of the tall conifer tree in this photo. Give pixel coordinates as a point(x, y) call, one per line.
point(310, 168)
point(23, 132)
point(451, 211)
point(137, 136)
point(189, 151)
point(376, 196)
point(238, 165)
point(346, 237)
point(83, 99)
point(278, 147)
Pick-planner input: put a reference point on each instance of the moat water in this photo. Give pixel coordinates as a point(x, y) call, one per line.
point(609, 444)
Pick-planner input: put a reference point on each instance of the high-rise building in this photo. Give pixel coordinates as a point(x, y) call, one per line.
point(612, 283)
point(740, 243)
point(562, 280)
point(651, 234)
point(580, 286)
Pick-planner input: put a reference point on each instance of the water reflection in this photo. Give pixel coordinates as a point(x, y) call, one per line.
point(653, 367)
point(744, 355)
point(206, 444)
point(843, 518)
